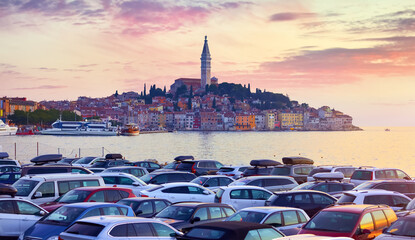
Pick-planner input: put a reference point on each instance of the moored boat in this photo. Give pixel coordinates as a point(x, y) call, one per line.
point(78, 128)
point(130, 130)
point(6, 130)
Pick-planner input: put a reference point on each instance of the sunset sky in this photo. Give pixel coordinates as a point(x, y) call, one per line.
point(356, 56)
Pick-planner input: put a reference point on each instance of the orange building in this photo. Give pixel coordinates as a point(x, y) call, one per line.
point(245, 122)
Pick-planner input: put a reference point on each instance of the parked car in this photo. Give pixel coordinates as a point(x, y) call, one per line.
point(4, 160)
point(200, 167)
point(145, 206)
point(212, 181)
point(10, 168)
point(17, 215)
point(117, 227)
point(167, 177)
point(53, 169)
point(150, 166)
point(296, 167)
point(135, 171)
point(330, 187)
point(90, 194)
point(67, 161)
point(234, 172)
point(46, 188)
point(189, 214)
point(313, 237)
point(271, 183)
point(242, 196)
point(50, 226)
point(364, 174)
point(403, 228)
point(347, 171)
point(231, 230)
point(395, 200)
point(406, 187)
point(359, 222)
point(120, 179)
point(180, 192)
point(9, 177)
point(260, 167)
point(101, 165)
point(309, 200)
point(285, 219)
point(86, 161)
point(173, 165)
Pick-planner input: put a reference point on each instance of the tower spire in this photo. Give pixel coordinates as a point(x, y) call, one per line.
point(205, 65)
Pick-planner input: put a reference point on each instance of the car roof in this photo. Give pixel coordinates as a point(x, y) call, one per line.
point(93, 204)
point(169, 172)
point(300, 191)
point(353, 208)
point(269, 209)
point(139, 199)
point(60, 176)
point(108, 219)
point(177, 184)
point(114, 174)
point(213, 176)
point(391, 181)
point(197, 204)
point(242, 187)
point(266, 177)
point(233, 228)
point(126, 167)
point(373, 191)
point(312, 237)
point(101, 188)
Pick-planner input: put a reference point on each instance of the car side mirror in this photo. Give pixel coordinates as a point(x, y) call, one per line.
point(176, 234)
point(41, 213)
point(206, 192)
point(206, 185)
point(37, 195)
point(365, 231)
point(402, 205)
point(196, 219)
point(138, 212)
point(407, 178)
point(384, 230)
point(136, 184)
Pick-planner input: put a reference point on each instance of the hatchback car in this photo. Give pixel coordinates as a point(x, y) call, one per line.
point(90, 194)
point(135, 171)
point(180, 192)
point(185, 215)
point(212, 181)
point(117, 227)
point(9, 177)
point(86, 161)
point(287, 220)
point(234, 172)
point(260, 167)
point(167, 177)
point(298, 171)
point(200, 167)
point(359, 222)
point(330, 187)
point(364, 174)
point(395, 200)
point(406, 187)
point(403, 228)
point(104, 164)
point(145, 206)
point(271, 183)
point(150, 166)
point(347, 171)
point(231, 230)
point(309, 200)
point(17, 215)
point(120, 179)
point(50, 226)
point(242, 196)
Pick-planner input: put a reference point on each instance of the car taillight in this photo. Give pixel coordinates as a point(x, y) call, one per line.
point(143, 195)
point(59, 238)
point(230, 175)
point(193, 168)
point(371, 178)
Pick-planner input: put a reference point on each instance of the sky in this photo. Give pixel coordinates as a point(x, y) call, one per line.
point(355, 56)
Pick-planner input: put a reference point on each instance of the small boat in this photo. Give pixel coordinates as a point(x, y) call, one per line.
point(25, 131)
point(130, 130)
point(6, 130)
point(387, 130)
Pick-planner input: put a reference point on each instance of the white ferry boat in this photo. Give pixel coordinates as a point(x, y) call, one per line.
point(75, 128)
point(6, 130)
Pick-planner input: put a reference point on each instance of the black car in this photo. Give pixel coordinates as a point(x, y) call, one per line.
point(189, 214)
point(68, 161)
point(309, 200)
point(330, 187)
point(231, 230)
point(50, 169)
point(150, 166)
point(10, 168)
point(200, 167)
point(261, 167)
point(406, 187)
point(167, 177)
point(144, 206)
point(177, 160)
point(403, 228)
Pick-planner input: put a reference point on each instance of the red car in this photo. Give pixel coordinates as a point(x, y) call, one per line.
point(90, 194)
point(359, 222)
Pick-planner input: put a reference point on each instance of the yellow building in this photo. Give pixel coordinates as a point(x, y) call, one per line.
point(245, 122)
point(291, 120)
point(270, 121)
point(156, 108)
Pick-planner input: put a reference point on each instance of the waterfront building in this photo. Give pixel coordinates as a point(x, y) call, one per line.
point(290, 120)
point(270, 121)
point(260, 121)
point(189, 121)
point(9, 105)
point(228, 119)
point(208, 119)
point(179, 120)
point(244, 122)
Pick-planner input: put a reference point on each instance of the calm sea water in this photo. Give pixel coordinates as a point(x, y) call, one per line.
point(373, 146)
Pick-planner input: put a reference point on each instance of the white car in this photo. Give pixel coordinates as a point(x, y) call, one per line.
point(286, 219)
point(86, 161)
point(17, 215)
point(117, 227)
point(213, 182)
point(346, 170)
point(180, 192)
point(364, 174)
point(234, 172)
point(126, 180)
point(242, 196)
point(395, 200)
point(271, 183)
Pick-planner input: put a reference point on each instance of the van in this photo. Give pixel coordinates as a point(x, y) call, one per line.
point(48, 187)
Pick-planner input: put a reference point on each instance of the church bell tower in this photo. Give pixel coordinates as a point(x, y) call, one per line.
point(205, 65)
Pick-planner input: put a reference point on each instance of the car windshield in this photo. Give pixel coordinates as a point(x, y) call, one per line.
point(99, 164)
point(199, 180)
point(176, 212)
point(84, 160)
point(281, 171)
point(24, 187)
point(403, 227)
point(364, 186)
point(147, 178)
point(333, 221)
point(226, 169)
point(185, 165)
point(172, 165)
point(247, 216)
point(74, 196)
point(346, 198)
point(63, 215)
point(305, 186)
point(205, 233)
point(240, 182)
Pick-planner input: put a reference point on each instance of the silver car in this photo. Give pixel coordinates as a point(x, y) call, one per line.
point(271, 183)
point(234, 172)
point(118, 227)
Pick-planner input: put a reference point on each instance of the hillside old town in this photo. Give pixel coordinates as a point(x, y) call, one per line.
point(199, 104)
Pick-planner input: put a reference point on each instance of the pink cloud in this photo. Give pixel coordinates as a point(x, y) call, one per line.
point(290, 16)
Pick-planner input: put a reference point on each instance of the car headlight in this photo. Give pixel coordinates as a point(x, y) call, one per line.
point(53, 238)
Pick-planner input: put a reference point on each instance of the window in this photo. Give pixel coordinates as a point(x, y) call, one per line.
point(252, 235)
point(143, 230)
point(111, 211)
point(125, 181)
point(323, 187)
point(90, 183)
point(240, 194)
point(6, 207)
point(176, 177)
point(302, 198)
point(86, 229)
point(378, 199)
point(380, 174)
point(380, 219)
point(124, 194)
point(302, 217)
point(213, 182)
point(399, 201)
point(27, 208)
point(401, 175)
point(162, 230)
point(269, 233)
point(146, 207)
point(77, 170)
point(219, 165)
point(224, 181)
point(390, 215)
point(277, 182)
point(92, 213)
point(47, 189)
point(4, 176)
point(110, 180)
point(153, 165)
point(195, 190)
point(321, 199)
point(274, 220)
point(160, 179)
point(97, 197)
point(257, 182)
point(183, 190)
point(335, 187)
point(215, 212)
point(201, 213)
point(113, 196)
point(228, 211)
point(367, 222)
point(260, 195)
point(204, 233)
point(160, 205)
point(362, 175)
point(290, 217)
point(119, 231)
point(390, 173)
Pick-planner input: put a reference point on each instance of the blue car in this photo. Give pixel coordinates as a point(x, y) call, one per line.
point(50, 226)
point(9, 177)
